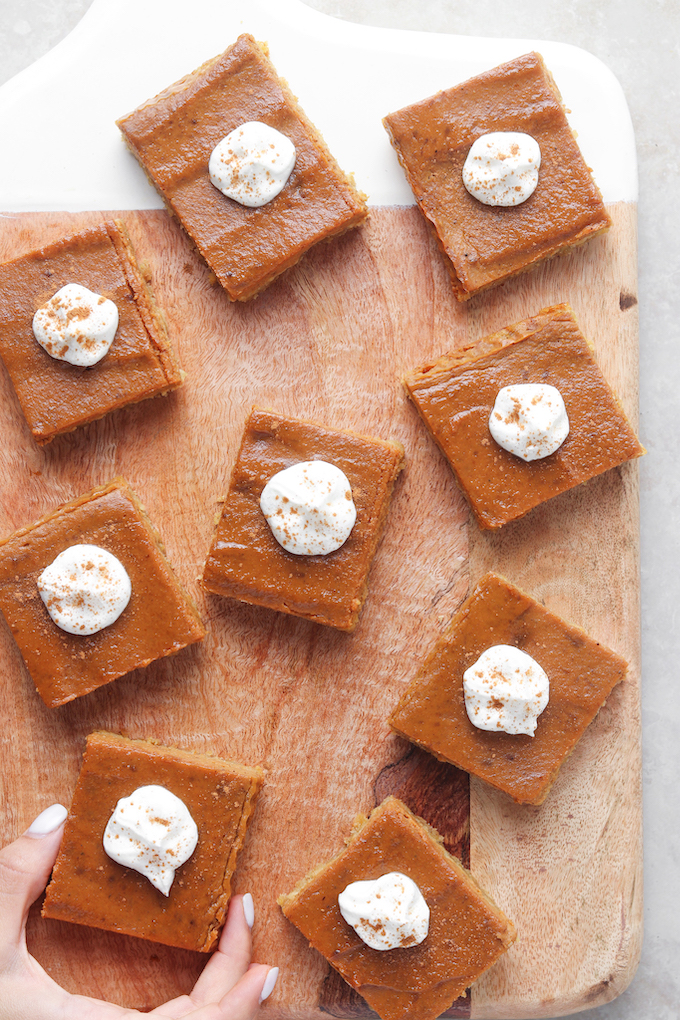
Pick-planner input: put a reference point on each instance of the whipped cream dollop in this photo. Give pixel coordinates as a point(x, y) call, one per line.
point(252, 164)
point(309, 508)
point(529, 420)
point(505, 689)
point(152, 832)
point(502, 168)
point(386, 913)
point(76, 325)
point(85, 589)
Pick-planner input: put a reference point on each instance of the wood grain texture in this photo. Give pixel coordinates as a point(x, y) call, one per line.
point(329, 341)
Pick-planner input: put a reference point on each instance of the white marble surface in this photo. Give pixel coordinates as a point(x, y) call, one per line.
point(638, 40)
point(389, 68)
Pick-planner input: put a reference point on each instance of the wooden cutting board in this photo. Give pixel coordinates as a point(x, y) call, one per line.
point(330, 341)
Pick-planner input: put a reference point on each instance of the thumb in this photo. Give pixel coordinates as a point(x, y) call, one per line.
point(25, 866)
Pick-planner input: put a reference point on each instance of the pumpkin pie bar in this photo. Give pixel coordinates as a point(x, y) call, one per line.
point(581, 672)
point(467, 931)
point(174, 135)
point(486, 244)
point(89, 887)
point(247, 562)
point(56, 396)
point(456, 395)
point(159, 619)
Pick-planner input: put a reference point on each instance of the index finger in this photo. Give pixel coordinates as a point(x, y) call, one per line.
point(230, 961)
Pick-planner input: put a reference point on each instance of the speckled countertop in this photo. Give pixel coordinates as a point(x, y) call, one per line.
point(638, 40)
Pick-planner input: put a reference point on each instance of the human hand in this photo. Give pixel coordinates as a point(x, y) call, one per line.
point(230, 987)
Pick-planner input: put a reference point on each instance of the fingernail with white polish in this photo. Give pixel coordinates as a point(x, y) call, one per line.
point(47, 821)
point(248, 909)
point(269, 983)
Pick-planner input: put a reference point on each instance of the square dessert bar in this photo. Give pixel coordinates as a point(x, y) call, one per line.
point(174, 135)
point(486, 244)
point(581, 672)
point(456, 394)
point(89, 887)
point(467, 931)
point(246, 562)
point(54, 395)
point(159, 620)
